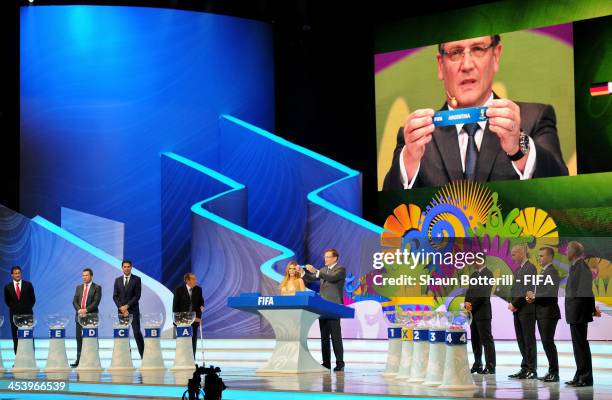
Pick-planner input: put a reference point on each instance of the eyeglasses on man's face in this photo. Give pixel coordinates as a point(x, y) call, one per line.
point(457, 54)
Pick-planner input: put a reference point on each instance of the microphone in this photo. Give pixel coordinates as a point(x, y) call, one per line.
point(452, 100)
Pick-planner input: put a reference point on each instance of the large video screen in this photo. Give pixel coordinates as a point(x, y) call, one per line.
point(493, 137)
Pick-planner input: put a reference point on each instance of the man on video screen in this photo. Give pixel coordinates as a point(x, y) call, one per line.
point(516, 140)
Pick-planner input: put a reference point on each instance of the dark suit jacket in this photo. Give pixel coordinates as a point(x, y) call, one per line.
point(25, 304)
point(480, 296)
point(579, 300)
point(441, 162)
point(94, 296)
point(520, 289)
point(332, 282)
point(546, 301)
point(181, 300)
point(129, 295)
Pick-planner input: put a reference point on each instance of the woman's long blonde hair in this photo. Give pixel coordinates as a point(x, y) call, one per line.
point(286, 278)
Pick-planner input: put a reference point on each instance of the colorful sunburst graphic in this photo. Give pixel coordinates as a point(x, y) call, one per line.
point(539, 229)
point(472, 198)
point(467, 216)
point(602, 285)
point(405, 218)
point(454, 212)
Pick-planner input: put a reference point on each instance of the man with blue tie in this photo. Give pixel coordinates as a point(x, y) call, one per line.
point(517, 141)
point(126, 295)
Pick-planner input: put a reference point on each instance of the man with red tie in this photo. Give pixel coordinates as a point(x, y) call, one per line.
point(86, 301)
point(19, 297)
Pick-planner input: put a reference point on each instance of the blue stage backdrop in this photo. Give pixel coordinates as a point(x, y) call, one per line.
point(146, 134)
point(105, 90)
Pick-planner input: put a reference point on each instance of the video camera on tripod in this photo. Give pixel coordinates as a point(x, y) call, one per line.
point(213, 384)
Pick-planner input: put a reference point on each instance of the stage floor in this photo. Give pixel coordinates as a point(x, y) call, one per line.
point(362, 378)
point(357, 382)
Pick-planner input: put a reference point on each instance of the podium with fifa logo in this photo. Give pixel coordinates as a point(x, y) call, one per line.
point(291, 318)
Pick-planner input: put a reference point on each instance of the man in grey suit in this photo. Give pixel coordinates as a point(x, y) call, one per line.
point(332, 277)
point(86, 301)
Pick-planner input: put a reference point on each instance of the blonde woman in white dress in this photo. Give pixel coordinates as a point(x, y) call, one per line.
point(292, 282)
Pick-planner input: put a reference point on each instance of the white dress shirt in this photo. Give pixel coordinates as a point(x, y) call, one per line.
point(328, 268)
point(463, 143)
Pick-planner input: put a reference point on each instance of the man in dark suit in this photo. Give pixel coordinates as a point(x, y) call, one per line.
point(20, 298)
point(579, 311)
point(478, 302)
point(547, 310)
point(332, 277)
point(519, 140)
point(524, 313)
point(187, 298)
point(86, 300)
point(126, 294)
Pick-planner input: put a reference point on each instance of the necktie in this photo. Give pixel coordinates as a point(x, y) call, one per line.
point(471, 154)
point(84, 300)
point(125, 282)
point(190, 303)
point(18, 291)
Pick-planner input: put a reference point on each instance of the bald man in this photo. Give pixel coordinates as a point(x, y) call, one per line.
point(579, 311)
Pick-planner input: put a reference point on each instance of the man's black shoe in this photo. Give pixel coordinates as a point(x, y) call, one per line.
point(529, 375)
point(571, 383)
point(583, 384)
point(476, 369)
point(521, 372)
point(338, 369)
point(487, 371)
point(326, 366)
point(551, 378)
point(74, 365)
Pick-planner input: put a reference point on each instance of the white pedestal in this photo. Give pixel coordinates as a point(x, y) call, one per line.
point(154, 376)
point(291, 354)
point(435, 364)
point(394, 352)
point(420, 357)
point(457, 374)
point(183, 359)
point(406, 358)
point(152, 359)
point(122, 356)
point(24, 359)
point(90, 356)
point(122, 375)
point(58, 375)
point(89, 376)
point(57, 361)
